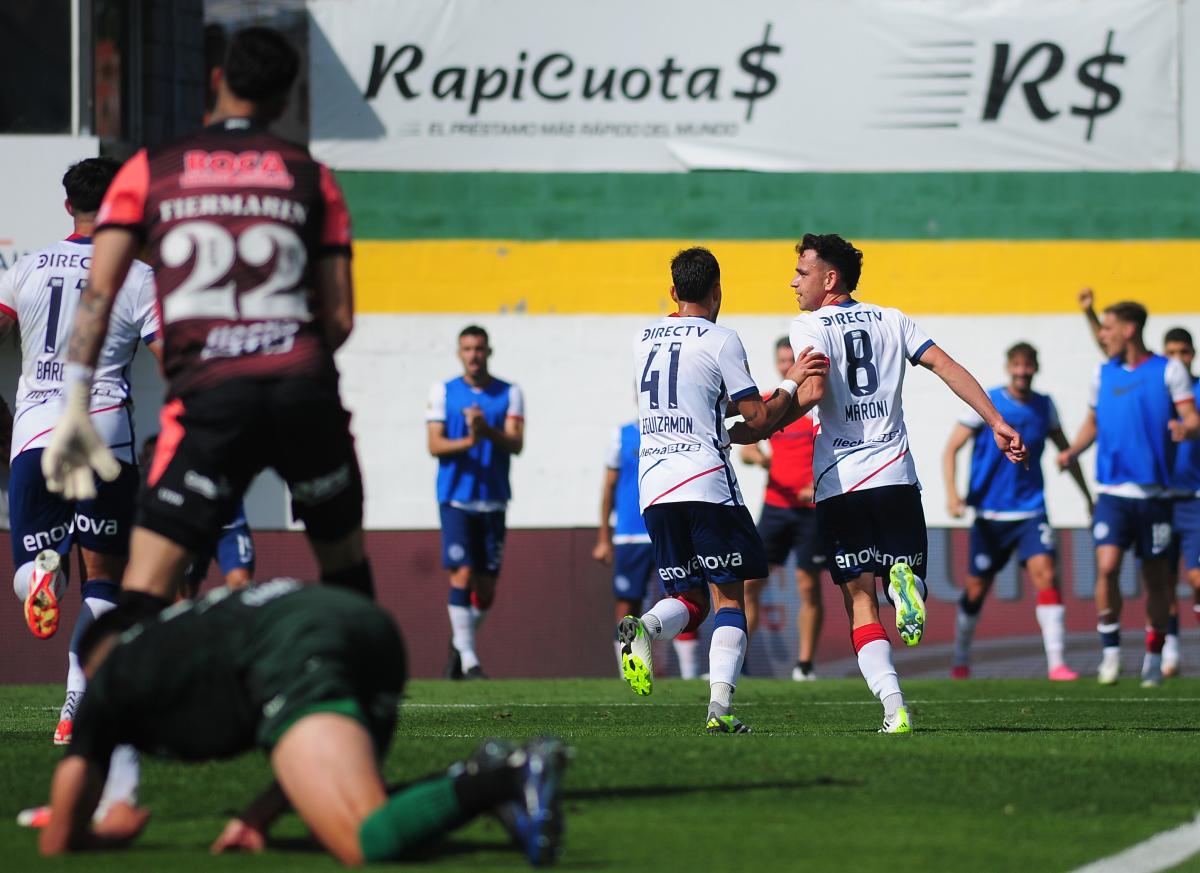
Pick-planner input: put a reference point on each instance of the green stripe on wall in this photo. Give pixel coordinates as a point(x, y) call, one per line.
point(736, 205)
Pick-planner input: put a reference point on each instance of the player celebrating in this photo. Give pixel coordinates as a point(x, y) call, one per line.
point(476, 423)
point(250, 240)
point(789, 522)
point(311, 675)
point(868, 499)
point(1185, 518)
point(1010, 510)
point(689, 371)
point(1141, 405)
point(629, 551)
point(40, 293)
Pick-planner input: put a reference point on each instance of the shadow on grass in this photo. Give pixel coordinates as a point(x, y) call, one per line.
point(636, 791)
point(1067, 729)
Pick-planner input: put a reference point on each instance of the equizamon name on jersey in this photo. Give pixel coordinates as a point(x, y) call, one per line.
point(668, 424)
point(692, 567)
point(861, 558)
point(44, 539)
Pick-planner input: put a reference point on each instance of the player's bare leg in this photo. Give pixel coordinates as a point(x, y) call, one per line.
point(156, 565)
point(1108, 612)
point(344, 563)
point(1170, 651)
point(1159, 595)
point(1051, 615)
point(237, 578)
point(874, 652)
point(753, 593)
point(975, 591)
point(809, 619)
point(727, 651)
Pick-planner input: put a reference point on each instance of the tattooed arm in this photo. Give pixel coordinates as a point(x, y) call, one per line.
point(111, 257)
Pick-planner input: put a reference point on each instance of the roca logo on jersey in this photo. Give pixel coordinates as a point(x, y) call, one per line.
point(692, 567)
point(44, 539)
point(249, 168)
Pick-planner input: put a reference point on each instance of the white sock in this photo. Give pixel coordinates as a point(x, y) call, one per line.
point(875, 662)
point(478, 615)
point(688, 653)
point(1051, 619)
point(666, 619)
point(725, 654)
point(964, 635)
point(1170, 652)
point(1152, 661)
point(123, 777)
point(620, 664)
point(76, 680)
point(462, 635)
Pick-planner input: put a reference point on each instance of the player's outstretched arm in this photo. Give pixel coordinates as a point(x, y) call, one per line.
point(958, 438)
point(1087, 300)
point(603, 551)
point(968, 389)
point(248, 832)
point(1060, 442)
point(1083, 441)
point(74, 794)
point(335, 298)
point(761, 419)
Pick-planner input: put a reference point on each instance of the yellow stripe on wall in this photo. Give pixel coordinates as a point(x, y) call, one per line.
point(619, 276)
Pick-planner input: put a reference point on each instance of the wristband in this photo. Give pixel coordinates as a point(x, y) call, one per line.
point(74, 373)
point(789, 387)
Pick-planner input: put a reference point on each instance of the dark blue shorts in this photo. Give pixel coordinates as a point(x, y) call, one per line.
point(992, 542)
point(787, 531)
point(633, 567)
point(234, 550)
point(1186, 515)
point(41, 520)
point(472, 539)
point(1127, 522)
point(869, 531)
point(698, 543)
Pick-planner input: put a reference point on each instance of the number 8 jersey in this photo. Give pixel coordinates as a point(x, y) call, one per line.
point(688, 371)
point(234, 219)
point(863, 442)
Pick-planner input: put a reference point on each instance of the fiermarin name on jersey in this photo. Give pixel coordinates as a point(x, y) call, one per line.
point(674, 330)
point(668, 424)
point(863, 411)
point(282, 208)
point(856, 317)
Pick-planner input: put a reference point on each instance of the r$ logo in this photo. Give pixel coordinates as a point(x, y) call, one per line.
point(1091, 73)
point(752, 61)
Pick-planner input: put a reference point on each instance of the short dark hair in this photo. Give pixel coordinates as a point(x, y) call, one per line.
point(115, 621)
point(783, 343)
point(694, 272)
point(1024, 350)
point(86, 182)
point(1179, 335)
point(260, 65)
point(474, 330)
point(837, 252)
point(1129, 312)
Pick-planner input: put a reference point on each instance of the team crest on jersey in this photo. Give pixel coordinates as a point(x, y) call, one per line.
point(249, 168)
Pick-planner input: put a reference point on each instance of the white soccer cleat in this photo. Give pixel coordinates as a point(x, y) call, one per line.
point(1152, 671)
point(1110, 668)
point(637, 660)
point(798, 675)
point(899, 723)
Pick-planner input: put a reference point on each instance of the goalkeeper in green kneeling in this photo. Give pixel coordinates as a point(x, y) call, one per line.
point(312, 675)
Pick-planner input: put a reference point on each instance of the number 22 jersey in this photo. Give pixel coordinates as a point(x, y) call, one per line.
point(863, 442)
point(234, 219)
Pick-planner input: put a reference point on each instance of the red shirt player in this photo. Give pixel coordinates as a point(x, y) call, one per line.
point(789, 522)
point(250, 241)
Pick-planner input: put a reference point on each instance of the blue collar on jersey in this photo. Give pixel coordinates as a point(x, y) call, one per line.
point(845, 303)
point(82, 240)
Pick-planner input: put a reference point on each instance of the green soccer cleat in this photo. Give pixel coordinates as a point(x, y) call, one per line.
point(899, 723)
point(910, 606)
point(637, 662)
point(726, 724)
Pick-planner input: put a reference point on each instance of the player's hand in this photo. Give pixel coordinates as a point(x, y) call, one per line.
point(805, 495)
point(1064, 459)
point(808, 363)
point(1010, 442)
point(1086, 299)
point(238, 836)
point(121, 822)
point(76, 451)
point(1179, 430)
point(603, 552)
point(956, 506)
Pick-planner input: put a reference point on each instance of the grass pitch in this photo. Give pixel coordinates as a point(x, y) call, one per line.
point(1001, 775)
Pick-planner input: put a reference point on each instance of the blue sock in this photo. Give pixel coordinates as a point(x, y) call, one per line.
point(93, 589)
point(459, 596)
point(1173, 626)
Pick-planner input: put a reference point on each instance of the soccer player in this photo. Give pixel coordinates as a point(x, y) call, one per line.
point(789, 522)
point(311, 675)
point(1010, 510)
point(475, 424)
point(250, 241)
point(1185, 520)
point(629, 551)
point(40, 295)
point(1141, 405)
point(868, 498)
point(690, 371)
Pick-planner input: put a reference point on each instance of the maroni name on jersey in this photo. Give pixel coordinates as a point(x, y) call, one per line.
point(856, 317)
point(72, 261)
point(668, 424)
point(197, 206)
point(674, 330)
point(870, 409)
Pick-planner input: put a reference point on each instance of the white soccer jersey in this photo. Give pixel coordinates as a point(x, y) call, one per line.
point(40, 293)
point(863, 442)
point(688, 371)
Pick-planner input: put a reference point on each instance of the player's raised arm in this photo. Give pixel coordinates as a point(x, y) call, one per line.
point(959, 436)
point(965, 386)
point(762, 418)
point(1087, 301)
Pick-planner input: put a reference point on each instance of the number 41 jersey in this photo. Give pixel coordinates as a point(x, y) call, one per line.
point(863, 442)
point(235, 220)
point(688, 371)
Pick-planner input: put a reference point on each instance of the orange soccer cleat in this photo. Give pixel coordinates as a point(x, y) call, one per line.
point(41, 606)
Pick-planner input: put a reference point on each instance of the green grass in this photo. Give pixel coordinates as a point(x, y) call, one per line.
point(1014, 776)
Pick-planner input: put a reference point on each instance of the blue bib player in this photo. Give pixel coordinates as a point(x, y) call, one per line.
point(1185, 520)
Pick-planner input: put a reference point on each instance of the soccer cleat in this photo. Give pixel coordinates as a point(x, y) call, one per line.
point(34, 817)
point(899, 723)
point(1110, 668)
point(41, 606)
point(66, 718)
point(910, 606)
point(725, 724)
point(475, 672)
point(453, 669)
point(1062, 673)
point(960, 671)
point(800, 675)
point(637, 662)
point(1152, 672)
point(1170, 669)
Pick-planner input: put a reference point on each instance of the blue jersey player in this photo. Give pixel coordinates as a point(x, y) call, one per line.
point(476, 423)
point(1010, 510)
point(1142, 404)
point(628, 550)
point(1185, 485)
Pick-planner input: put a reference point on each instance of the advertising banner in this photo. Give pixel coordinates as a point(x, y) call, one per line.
point(771, 85)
